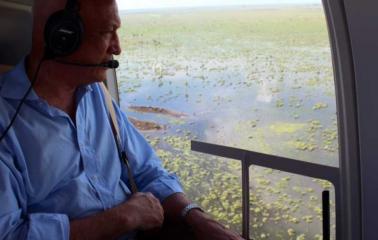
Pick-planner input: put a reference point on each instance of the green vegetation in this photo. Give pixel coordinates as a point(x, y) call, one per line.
point(254, 79)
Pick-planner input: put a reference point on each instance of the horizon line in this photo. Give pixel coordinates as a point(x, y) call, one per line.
point(218, 6)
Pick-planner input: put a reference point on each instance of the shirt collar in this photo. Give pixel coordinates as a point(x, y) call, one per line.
point(15, 83)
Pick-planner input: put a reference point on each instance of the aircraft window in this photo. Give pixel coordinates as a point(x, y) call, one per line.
point(254, 77)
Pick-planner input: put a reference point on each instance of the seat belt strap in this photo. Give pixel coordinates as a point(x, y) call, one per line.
point(117, 136)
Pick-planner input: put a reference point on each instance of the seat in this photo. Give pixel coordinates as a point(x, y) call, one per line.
point(15, 32)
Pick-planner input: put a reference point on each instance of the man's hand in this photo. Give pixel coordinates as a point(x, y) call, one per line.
point(141, 212)
point(206, 228)
point(146, 210)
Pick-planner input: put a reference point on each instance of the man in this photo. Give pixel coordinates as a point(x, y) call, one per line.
point(60, 175)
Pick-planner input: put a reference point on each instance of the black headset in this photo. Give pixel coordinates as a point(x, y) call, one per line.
point(63, 31)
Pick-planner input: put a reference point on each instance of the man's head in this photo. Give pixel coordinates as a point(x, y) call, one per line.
point(99, 40)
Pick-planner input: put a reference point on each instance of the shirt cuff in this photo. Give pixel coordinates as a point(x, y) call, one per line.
point(49, 226)
point(164, 187)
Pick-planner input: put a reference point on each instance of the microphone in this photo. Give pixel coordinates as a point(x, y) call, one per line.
point(113, 64)
point(110, 64)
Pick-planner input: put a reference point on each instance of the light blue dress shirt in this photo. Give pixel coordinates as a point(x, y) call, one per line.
point(53, 170)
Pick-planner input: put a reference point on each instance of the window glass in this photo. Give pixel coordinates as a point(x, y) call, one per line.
point(252, 76)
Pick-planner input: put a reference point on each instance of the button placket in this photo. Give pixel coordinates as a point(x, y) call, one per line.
point(88, 157)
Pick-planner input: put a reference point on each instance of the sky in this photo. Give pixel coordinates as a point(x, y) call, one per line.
point(150, 4)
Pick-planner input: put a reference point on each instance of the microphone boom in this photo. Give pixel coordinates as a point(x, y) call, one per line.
point(113, 64)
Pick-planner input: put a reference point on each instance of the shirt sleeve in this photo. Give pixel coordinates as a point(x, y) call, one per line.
point(149, 174)
point(15, 222)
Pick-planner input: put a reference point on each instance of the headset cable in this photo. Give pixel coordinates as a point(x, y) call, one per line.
point(23, 100)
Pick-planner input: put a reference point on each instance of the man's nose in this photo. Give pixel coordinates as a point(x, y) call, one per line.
point(115, 46)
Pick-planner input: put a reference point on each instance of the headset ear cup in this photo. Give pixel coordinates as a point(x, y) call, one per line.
point(63, 33)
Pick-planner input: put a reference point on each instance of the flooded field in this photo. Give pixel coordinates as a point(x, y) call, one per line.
point(256, 79)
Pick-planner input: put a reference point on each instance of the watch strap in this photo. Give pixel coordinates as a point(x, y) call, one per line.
point(186, 210)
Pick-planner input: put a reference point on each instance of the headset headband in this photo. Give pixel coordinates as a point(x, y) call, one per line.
point(72, 5)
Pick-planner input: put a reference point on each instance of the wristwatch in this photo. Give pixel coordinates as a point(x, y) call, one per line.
point(189, 207)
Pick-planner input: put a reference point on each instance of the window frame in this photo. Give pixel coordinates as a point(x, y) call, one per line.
point(362, 17)
point(111, 83)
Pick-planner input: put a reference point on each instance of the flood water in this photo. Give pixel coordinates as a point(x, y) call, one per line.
point(256, 79)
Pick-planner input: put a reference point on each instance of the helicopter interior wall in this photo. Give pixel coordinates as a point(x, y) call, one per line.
point(15, 31)
point(362, 22)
